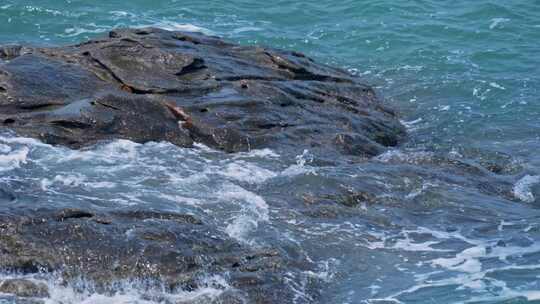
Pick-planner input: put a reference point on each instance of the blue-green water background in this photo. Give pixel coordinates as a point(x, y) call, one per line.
point(464, 75)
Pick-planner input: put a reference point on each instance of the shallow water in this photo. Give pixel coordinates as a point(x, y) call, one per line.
point(465, 77)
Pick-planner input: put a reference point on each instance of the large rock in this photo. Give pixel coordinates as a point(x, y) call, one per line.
point(155, 85)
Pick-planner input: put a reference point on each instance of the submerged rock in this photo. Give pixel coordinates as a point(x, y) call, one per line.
point(156, 85)
point(24, 288)
point(175, 250)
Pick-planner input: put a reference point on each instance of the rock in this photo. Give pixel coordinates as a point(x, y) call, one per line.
point(156, 85)
point(175, 249)
point(6, 195)
point(10, 51)
point(24, 288)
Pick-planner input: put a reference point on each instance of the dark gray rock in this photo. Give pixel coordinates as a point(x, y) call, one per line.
point(10, 51)
point(174, 249)
point(24, 288)
point(155, 85)
point(6, 195)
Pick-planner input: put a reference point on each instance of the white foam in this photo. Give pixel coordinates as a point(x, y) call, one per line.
point(254, 210)
point(31, 9)
point(182, 200)
point(416, 68)
point(74, 180)
point(125, 148)
point(326, 271)
point(465, 261)
point(111, 153)
point(204, 147)
point(5, 149)
point(177, 26)
point(404, 242)
point(496, 21)
point(409, 245)
point(211, 288)
point(298, 286)
point(14, 159)
point(496, 85)
point(479, 94)
point(247, 29)
point(22, 141)
point(87, 29)
point(92, 28)
point(465, 269)
point(69, 180)
point(301, 167)
point(122, 14)
point(444, 108)
point(247, 172)
point(257, 153)
point(531, 295)
point(399, 156)
point(410, 125)
point(522, 188)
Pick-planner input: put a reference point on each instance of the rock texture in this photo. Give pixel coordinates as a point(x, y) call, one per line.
point(24, 288)
point(156, 85)
point(177, 250)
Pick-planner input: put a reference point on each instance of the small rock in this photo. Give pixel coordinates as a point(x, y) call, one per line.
point(24, 288)
point(6, 195)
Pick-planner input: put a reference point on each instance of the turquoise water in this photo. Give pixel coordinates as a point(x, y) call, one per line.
point(465, 77)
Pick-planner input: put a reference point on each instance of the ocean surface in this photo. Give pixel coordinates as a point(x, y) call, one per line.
point(464, 76)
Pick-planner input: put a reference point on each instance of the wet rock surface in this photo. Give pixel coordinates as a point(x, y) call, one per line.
point(24, 288)
point(155, 85)
point(175, 250)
